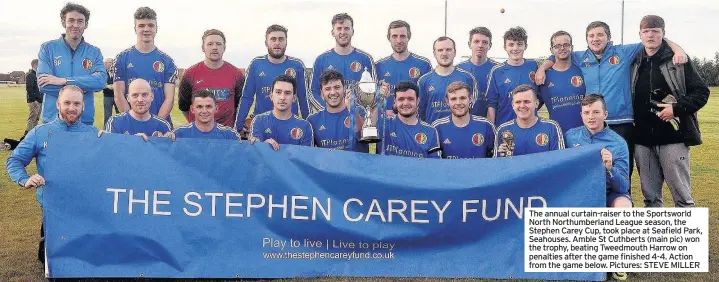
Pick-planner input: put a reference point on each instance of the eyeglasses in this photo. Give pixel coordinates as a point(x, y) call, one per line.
point(565, 46)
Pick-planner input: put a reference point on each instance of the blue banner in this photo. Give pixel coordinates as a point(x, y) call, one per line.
point(117, 206)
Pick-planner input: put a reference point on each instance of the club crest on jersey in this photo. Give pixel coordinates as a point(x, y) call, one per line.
point(158, 66)
point(614, 60)
point(531, 76)
point(296, 133)
point(421, 138)
point(290, 72)
point(477, 139)
point(57, 61)
point(542, 139)
point(156, 134)
point(577, 81)
point(356, 66)
point(414, 72)
point(86, 64)
point(347, 122)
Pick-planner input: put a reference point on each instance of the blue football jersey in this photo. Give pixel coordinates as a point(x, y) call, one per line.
point(218, 132)
point(156, 67)
point(394, 72)
point(399, 139)
point(543, 136)
point(336, 131)
point(481, 74)
point(258, 84)
point(124, 123)
point(562, 93)
point(475, 140)
point(351, 66)
point(294, 131)
point(502, 80)
point(433, 92)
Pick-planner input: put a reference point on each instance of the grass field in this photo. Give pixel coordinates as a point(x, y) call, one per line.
point(20, 214)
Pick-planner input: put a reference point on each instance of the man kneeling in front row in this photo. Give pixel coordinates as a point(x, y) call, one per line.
point(615, 153)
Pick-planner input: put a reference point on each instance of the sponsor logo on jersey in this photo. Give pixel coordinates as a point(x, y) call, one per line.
point(322, 127)
point(330, 67)
point(421, 138)
point(86, 64)
point(158, 66)
point(57, 61)
point(577, 81)
point(291, 72)
point(446, 141)
point(431, 88)
point(614, 60)
point(130, 65)
point(268, 131)
point(414, 72)
point(551, 84)
point(296, 133)
point(356, 66)
point(507, 81)
point(262, 73)
point(477, 139)
point(542, 139)
point(347, 122)
point(393, 134)
point(387, 74)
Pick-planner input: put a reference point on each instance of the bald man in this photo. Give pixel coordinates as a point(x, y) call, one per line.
point(107, 92)
point(138, 120)
point(70, 106)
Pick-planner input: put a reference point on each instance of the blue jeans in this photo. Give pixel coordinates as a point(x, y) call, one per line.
point(109, 103)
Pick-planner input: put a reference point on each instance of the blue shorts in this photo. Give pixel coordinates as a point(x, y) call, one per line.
point(613, 196)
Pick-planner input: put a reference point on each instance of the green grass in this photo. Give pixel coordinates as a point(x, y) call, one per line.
point(20, 214)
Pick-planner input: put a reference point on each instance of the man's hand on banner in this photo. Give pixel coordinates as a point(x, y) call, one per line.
point(144, 137)
point(273, 143)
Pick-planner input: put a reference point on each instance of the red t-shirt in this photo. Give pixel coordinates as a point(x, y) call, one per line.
point(226, 83)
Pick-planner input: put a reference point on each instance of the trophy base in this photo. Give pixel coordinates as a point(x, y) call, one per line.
point(369, 135)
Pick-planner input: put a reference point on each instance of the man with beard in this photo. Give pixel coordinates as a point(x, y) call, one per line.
point(345, 58)
point(479, 65)
point(564, 88)
point(138, 120)
point(213, 74)
point(70, 60)
point(531, 134)
point(262, 72)
point(402, 65)
point(280, 126)
point(462, 135)
point(405, 134)
point(433, 85)
point(204, 125)
point(505, 77)
point(69, 104)
point(144, 60)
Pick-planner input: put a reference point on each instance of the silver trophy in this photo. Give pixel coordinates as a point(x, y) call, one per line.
point(366, 92)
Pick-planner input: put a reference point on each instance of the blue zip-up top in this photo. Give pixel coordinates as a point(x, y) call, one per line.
point(33, 146)
point(618, 177)
point(611, 77)
point(82, 67)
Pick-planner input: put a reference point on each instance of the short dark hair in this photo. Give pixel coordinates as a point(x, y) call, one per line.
point(592, 98)
point(339, 18)
point(275, 27)
point(213, 32)
point(516, 33)
point(203, 93)
point(34, 62)
point(398, 24)
point(599, 24)
point(480, 30)
point(331, 75)
point(145, 13)
point(523, 88)
point(443, 38)
point(72, 7)
point(407, 85)
point(284, 78)
point(557, 34)
point(652, 21)
point(456, 86)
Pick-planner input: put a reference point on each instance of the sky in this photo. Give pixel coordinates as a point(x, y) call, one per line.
point(24, 25)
